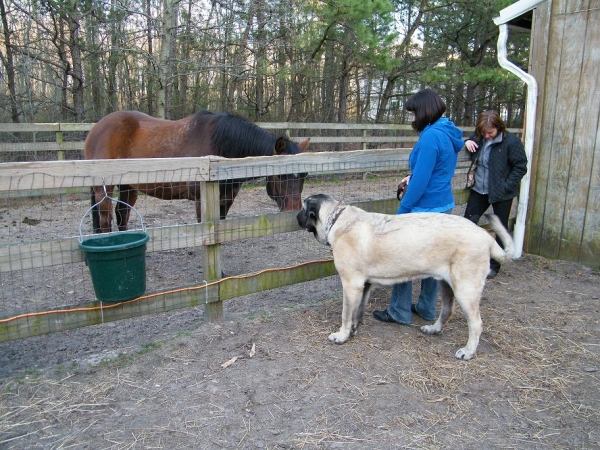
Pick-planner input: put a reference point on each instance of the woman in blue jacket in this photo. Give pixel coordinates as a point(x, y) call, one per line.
point(500, 161)
point(432, 164)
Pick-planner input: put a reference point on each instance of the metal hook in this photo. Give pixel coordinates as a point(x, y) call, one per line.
point(112, 200)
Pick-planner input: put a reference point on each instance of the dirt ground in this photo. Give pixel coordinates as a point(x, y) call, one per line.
point(265, 377)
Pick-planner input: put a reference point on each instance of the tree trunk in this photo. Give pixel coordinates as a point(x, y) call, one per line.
point(186, 66)
point(390, 86)
point(261, 62)
point(95, 81)
point(151, 77)
point(281, 82)
point(8, 62)
point(113, 61)
point(76, 72)
point(328, 84)
point(239, 59)
point(65, 66)
point(343, 98)
point(165, 90)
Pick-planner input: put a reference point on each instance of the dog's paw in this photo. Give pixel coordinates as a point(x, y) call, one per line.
point(464, 355)
point(431, 329)
point(338, 338)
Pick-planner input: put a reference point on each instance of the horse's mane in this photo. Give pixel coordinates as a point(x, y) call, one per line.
point(236, 137)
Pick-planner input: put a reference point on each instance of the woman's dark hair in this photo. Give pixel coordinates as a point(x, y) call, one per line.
point(427, 107)
point(489, 119)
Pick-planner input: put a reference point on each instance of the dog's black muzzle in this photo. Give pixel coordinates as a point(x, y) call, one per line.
point(301, 218)
point(305, 222)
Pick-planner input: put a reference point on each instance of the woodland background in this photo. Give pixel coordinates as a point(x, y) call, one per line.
point(268, 60)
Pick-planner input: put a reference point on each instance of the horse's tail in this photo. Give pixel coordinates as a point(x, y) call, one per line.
point(499, 254)
point(95, 215)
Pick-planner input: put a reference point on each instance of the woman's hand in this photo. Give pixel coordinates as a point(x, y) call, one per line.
point(402, 187)
point(471, 145)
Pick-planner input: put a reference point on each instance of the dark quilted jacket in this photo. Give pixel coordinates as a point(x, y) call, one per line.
point(508, 164)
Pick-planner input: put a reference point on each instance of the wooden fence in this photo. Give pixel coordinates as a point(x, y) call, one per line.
point(42, 178)
point(68, 136)
point(50, 177)
point(61, 138)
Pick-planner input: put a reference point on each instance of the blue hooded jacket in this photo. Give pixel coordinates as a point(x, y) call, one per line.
point(432, 165)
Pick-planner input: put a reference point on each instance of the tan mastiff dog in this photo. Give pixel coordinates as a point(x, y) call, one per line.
point(370, 248)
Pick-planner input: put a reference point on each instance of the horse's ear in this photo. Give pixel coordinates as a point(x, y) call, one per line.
point(302, 145)
point(280, 145)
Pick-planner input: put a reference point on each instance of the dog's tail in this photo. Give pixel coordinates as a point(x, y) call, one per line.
point(502, 233)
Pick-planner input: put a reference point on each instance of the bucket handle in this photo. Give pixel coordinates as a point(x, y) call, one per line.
point(112, 200)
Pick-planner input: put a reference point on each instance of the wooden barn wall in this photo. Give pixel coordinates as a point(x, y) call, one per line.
point(564, 207)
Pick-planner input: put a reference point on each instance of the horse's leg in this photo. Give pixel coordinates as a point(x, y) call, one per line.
point(228, 190)
point(198, 204)
point(95, 215)
point(193, 193)
point(102, 213)
point(127, 195)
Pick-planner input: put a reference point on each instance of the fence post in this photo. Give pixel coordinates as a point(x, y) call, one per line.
point(60, 155)
point(364, 143)
point(212, 253)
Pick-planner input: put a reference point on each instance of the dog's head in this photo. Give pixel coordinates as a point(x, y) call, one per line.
point(314, 214)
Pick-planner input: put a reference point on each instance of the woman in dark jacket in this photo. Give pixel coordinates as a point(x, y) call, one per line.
point(500, 161)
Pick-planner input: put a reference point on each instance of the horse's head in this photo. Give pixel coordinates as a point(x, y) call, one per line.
point(286, 189)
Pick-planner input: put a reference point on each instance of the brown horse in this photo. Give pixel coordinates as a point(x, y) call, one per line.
point(131, 134)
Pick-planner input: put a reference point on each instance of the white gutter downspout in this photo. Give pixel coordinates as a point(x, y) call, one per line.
point(530, 112)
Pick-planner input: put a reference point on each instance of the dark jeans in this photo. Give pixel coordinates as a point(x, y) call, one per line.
point(400, 304)
point(478, 204)
point(401, 301)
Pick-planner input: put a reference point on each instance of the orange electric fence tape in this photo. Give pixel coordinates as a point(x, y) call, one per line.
point(143, 297)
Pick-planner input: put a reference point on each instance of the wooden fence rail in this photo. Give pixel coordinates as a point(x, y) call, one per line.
point(363, 135)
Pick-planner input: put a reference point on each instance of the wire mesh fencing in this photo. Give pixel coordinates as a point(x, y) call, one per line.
point(43, 274)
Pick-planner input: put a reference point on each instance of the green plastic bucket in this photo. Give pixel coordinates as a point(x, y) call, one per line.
point(117, 264)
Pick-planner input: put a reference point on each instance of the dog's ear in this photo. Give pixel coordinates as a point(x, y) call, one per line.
point(313, 211)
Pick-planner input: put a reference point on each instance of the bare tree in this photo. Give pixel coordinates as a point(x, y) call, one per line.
point(166, 61)
point(271, 60)
point(414, 19)
point(9, 66)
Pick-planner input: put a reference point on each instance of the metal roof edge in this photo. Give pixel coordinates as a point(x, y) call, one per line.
point(515, 10)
